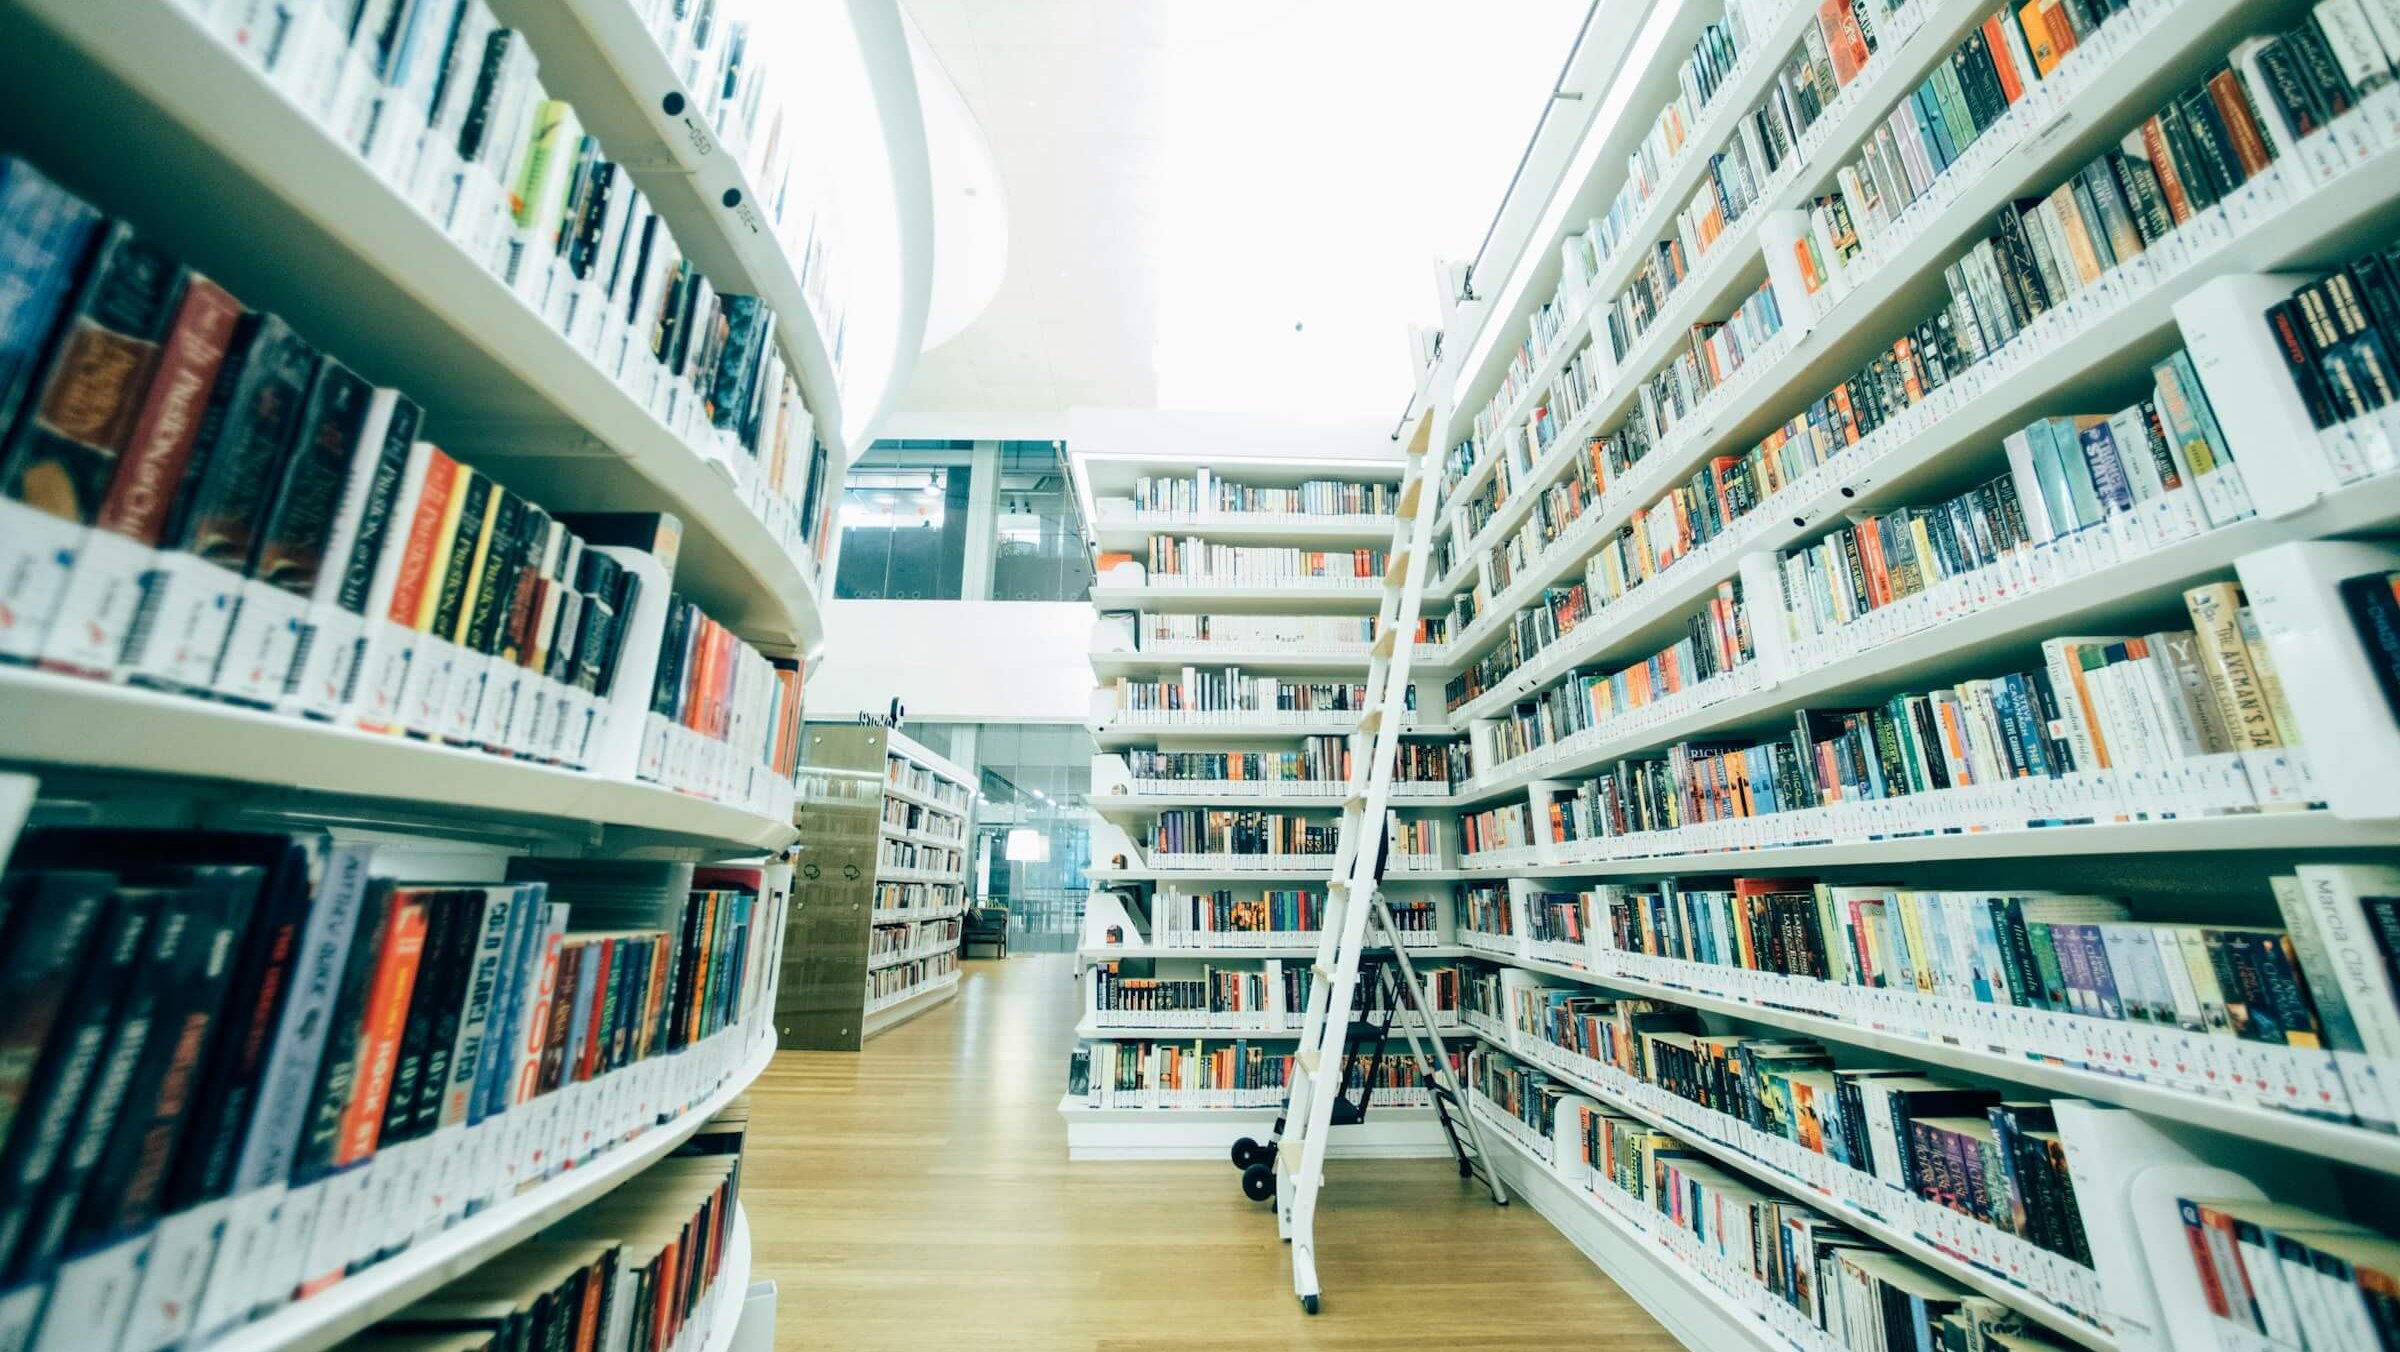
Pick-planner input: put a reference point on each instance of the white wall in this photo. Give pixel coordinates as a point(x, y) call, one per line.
point(956, 661)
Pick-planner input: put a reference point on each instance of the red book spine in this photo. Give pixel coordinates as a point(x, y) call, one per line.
point(151, 469)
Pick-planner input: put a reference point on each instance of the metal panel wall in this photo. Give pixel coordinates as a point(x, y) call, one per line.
point(821, 1002)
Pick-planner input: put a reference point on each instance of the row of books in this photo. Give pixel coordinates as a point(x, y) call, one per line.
point(902, 814)
point(1716, 640)
point(2170, 998)
point(892, 897)
point(247, 1138)
point(910, 777)
point(227, 511)
point(1151, 629)
point(1208, 1074)
point(2182, 721)
point(1219, 919)
point(1192, 830)
point(1504, 826)
point(446, 106)
point(2002, 285)
point(1716, 55)
point(901, 982)
point(1413, 842)
point(1912, 1145)
point(916, 939)
point(1322, 760)
point(1205, 493)
point(1817, 1282)
point(2299, 1276)
point(1198, 560)
point(1485, 908)
point(1271, 995)
point(1228, 689)
point(2338, 336)
point(641, 1270)
point(908, 854)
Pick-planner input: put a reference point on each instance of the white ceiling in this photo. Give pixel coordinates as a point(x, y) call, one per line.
point(1187, 180)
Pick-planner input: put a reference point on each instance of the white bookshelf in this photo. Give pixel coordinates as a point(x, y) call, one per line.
point(166, 115)
point(2094, 351)
point(597, 55)
point(359, 1300)
point(1129, 807)
point(940, 796)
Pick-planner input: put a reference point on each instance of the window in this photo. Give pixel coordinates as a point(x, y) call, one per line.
point(904, 523)
point(1040, 553)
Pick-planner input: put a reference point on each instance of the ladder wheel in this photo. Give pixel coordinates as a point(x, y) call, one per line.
point(1465, 1170)
point(1308, 1304)
point(1258, 1182)
point(1246, 1152)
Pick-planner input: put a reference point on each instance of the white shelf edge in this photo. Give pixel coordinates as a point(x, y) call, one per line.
point(1891, 1236)
point(2355, 1145)
point(71, 723)
point(359, 1300)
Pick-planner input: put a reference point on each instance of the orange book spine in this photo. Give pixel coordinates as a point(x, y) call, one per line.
point(441, 479)
point(387, 1018)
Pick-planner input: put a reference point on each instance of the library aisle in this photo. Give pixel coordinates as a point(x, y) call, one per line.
point(918, 1194)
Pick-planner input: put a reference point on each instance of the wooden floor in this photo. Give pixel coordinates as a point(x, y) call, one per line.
point(918, 1195)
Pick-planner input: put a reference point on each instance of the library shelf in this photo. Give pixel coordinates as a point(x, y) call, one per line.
point(908, 1004)
point(1288, 1030)
point(1245, 528)
point(1300, 952)
point(1903, 1241)
point(140, 107)
point(1206, 1133)
point(60, 725)
point(892, 873)
point(877, 962)
point(2355, 1145)
point(1971, 644)
point(598, 56)
point(923, 800)
point(361, 1299)
point(891, 832)
point(1139, 804)
point(1303, 596)
point(1110, 877)
point(1282, 657)
point(2146, 55)
point(733, 1286)
point(2260, 831)
point(1119, 728)
point(1695, 1311)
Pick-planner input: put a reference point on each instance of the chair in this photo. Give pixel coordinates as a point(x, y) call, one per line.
point(985, 925)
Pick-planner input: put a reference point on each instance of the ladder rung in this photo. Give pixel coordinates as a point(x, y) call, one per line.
point(1308, 1060)
point(1397, 574)
point(1385, 644)
point(1409, 496)
point(1371, 722)
point(1323, 972)
point(1356, 800)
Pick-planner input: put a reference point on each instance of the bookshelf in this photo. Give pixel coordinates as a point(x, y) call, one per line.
point(1613, 508)
point(593, 712)
point(1190, 731)
point(887, 830)
point(324, 240)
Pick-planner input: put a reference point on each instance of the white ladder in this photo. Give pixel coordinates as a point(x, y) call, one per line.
point(1353, 900)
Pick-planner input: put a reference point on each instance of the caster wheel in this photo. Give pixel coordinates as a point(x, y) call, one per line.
point(1245, 1153)
point(1465, 1170)
point(1258, 1182)
point(1308, 1304)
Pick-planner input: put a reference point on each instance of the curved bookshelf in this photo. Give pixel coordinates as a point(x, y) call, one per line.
point(65, 723)
point(733, 1286)
point(2360, 1146)
point(164, 115)
point(2264, 831)
point(357, 1301)
point(596, 55)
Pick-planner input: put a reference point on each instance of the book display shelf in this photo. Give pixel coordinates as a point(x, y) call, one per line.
point(1237, 599)
point(887, 834)
point(413, 502)
point(1919, 593)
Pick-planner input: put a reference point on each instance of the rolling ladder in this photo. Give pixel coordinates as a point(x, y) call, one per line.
point(1356, 914)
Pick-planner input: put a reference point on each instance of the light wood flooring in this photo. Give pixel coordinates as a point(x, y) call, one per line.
point(918, 1195)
